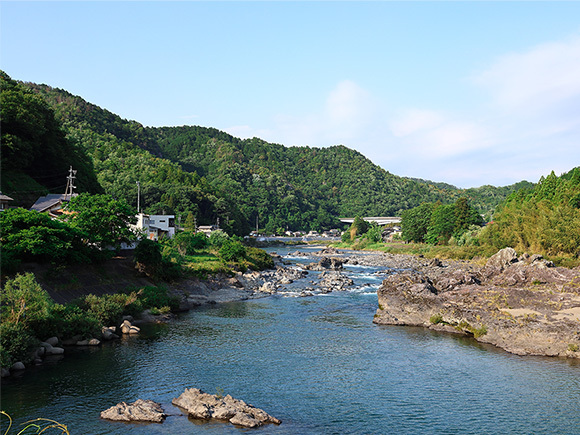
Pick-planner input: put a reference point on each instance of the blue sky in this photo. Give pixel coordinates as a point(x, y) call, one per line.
point(469, 93)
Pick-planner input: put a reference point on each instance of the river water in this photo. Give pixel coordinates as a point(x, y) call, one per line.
point(318, 363)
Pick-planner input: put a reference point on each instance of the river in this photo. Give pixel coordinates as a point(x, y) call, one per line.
point(318, 363)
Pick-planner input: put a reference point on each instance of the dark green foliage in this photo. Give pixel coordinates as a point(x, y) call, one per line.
point(15, 343)
point(34, 144)
point(148, 253)
point(259, 259)
point(442, 224)
point(232, 250)
point(107, 309)
point(415, 222)
point(68, 320)
point(187, 242)
point(104, 221)
point(360, 226)
point(33, 236)
point(217, 239)
point(374, 234)
point(437, 223)
point(157, 297)
point(23, 304)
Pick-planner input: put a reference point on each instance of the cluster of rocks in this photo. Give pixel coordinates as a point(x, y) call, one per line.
point(522, 304)
point(197, 405)
point(327, 263)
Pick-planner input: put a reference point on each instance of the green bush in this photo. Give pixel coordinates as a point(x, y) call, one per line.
point(232, 250)
point(15, 343)
point(107, 309)
point(259, 259)
point(157, 297)
point(188, 242)
point(374, 233)
point(148, 253)
point(217, 238)
point(69, 320)
point(23, 300)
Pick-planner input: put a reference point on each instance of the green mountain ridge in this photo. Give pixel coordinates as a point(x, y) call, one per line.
point(215, 176)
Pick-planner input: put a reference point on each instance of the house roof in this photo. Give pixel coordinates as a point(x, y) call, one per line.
point(47, 202)
point(5, 198)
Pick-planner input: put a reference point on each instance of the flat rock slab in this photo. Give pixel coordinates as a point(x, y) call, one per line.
point(206, 406)
point(138, 411)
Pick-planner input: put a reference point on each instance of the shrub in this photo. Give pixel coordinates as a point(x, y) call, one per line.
point(259, 259)
point(217, 238)
point(107, 309)
point(436, 319)
point(148, 253)
point(187, 242)
point(157, 297)
point(70, 320)
point(374, 234)
point(15, 343)
point(232, 250)
point(24, 300)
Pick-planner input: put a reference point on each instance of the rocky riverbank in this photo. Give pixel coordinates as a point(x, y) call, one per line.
point(523, 304)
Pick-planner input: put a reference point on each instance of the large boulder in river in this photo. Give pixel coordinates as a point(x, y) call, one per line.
point(206, 406)
point(138, 411)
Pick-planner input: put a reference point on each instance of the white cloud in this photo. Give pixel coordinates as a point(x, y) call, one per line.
point(539, 79)
point(345, 115)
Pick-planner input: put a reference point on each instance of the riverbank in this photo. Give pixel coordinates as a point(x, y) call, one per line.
point(523, 305)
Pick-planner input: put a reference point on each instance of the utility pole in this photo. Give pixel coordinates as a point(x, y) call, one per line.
point(70, 183)
point(256, 224)
point(138, 198)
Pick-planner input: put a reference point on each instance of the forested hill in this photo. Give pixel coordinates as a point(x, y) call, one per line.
point(215, 175)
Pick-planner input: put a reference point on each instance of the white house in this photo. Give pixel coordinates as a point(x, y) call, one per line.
point(156, 225)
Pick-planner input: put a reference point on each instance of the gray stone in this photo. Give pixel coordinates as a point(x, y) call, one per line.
point(53, 341)
point(207, 406)
point(502, 259)
point(94, 342)
point(140, 410)
point(245, 420)
point(55, 351)
point(18, 366)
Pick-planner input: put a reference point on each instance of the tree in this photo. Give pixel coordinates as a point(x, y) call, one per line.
point(441, 225)
point(465, 216)
point(415, 222)
point(104, 221)
point(28, 235)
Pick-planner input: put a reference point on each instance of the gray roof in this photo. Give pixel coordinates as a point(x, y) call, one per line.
point(47, 202)
point(5, 198)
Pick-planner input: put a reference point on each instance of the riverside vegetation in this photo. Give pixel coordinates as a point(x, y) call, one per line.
point(29, 315)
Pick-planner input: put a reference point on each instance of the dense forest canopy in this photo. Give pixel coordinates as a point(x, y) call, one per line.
point(205, 172)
